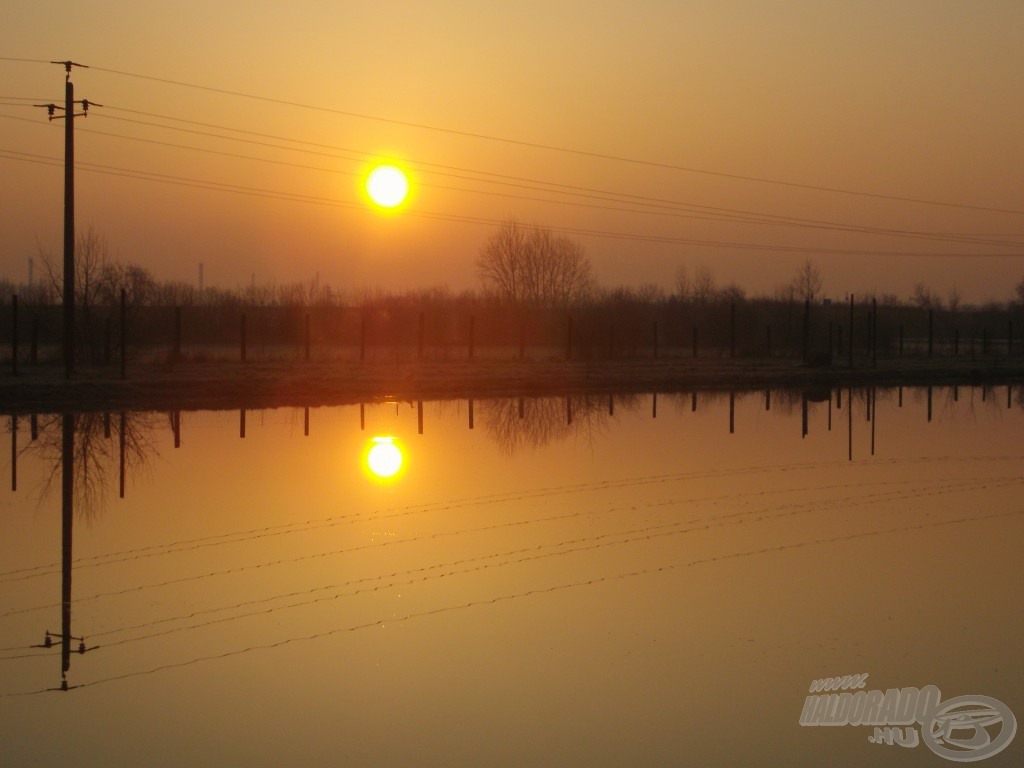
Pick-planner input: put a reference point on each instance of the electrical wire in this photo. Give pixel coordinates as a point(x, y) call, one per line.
point(555, 148)
point(582, 232)
point(564, 586)
point(660, 207)
point(657, 206)
point(538, 145)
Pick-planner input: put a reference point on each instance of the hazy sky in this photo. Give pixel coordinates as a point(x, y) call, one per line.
point(660, 134)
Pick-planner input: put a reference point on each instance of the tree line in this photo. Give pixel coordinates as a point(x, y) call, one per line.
point(537, 290)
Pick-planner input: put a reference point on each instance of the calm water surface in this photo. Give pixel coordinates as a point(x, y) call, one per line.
point(560, 581)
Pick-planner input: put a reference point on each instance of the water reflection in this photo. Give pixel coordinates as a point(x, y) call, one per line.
point(100, 446)
point(79, 450)
point(606, 549)
point(384, 458)
point(106, 444)
point(518, 424)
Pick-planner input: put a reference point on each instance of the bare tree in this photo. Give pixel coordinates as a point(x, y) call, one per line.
point(684, 289)
point(807, 283)
point(501, 261)
point(137, 282)
point(733, 293)
point(650, 293)
point(785, 293)
point(92, 268)
point(925, 299)
point(704, 284)
point(953, 299)
point(532, 265)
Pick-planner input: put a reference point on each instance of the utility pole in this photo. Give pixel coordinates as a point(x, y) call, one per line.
point(69, 205)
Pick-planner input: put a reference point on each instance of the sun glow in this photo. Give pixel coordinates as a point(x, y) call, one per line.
point(387, 186)
point(384, 459)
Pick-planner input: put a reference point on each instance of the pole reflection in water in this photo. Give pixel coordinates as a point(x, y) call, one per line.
point(67, 520)
point(77, 450)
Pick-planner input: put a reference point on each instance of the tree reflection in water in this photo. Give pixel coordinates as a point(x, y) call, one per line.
point(103, 446)
point(518, 424)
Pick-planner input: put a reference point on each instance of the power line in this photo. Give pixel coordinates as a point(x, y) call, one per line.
point(459, 503)
point(555, 148)
point(960, 485)
point(662, 207)
point(231, 537)
point(536, 552)
point(666, 208)
point(561, 149)
point(489, 222)
point(608, 578)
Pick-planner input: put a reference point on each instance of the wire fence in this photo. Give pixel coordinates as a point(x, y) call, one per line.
point(820, 334)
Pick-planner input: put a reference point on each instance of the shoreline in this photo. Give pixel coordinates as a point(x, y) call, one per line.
point(268, 384)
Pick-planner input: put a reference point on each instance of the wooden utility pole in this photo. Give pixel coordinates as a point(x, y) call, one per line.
point(69, 205)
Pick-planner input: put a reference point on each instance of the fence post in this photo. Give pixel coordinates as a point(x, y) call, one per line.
point(33, 350)
point(14, 335)
point(806, 341)
point(851, 331)
point(870, 332)
point(124, 333)
point(177, 334)
point(568, 339)
point(732, 329)
point(931, 331)
point(362, 338)
point(874, 332)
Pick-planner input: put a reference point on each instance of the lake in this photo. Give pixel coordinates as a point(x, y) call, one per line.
point(599, 581)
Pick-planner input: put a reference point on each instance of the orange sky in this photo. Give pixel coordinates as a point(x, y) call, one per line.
point(910, 100)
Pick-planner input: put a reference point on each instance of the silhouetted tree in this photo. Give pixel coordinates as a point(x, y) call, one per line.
point(703, 284)
point(532, 265)
point(925, 299)
point(684, 288)
point(807, 283)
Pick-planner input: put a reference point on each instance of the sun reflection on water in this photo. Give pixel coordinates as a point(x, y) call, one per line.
point(384, 458)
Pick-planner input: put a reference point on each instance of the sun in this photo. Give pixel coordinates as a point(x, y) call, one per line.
point(387, 186)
